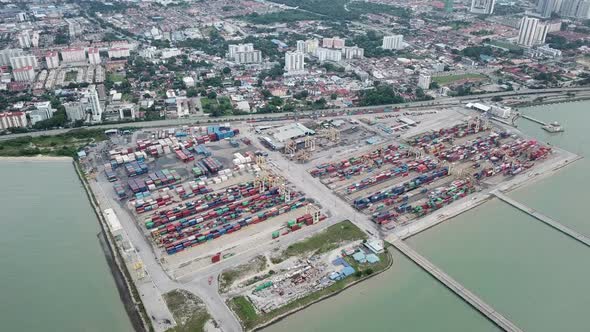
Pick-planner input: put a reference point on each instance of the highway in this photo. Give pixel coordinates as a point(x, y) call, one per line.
point(437, 103)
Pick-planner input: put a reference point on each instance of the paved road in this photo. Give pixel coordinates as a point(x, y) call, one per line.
point(440, 102)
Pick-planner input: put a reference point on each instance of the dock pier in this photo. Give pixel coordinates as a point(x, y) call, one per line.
point(534, 120)
point(541, 217)
point(477, 303)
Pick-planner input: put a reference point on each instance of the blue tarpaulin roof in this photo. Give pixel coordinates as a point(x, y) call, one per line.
point(372, 258)
point(359, 257)
point(347, 271)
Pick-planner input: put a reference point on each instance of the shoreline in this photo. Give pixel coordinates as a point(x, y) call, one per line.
point(35, 158)
point(127, 289)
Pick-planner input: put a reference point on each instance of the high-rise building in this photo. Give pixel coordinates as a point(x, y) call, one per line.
point(13, 120)
point(545, 8)
point(485, 7)
point(335, 42)
point(575, 9)
point(424, 81)
point(311, 46)
point(301, 46)
point(24, 39)
point(52, 60)
point(93, 56)
point(353, 52)
point(294, 62)
point(244, 53)
point(8, 53)
point(326, 54)
point(70, 55)
point(75, 111)
point(118, 52)
point(235, 48)
point(35, 39)
point(24, 74)
point(23, 61)
point(74, 29)
point(532, 32)
point(94, 104)
point(392, 42)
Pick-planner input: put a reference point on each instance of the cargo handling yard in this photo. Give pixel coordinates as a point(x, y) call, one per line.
point(257, 216)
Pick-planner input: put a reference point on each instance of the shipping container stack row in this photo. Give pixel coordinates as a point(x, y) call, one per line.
point(110, 173)
point(447, 134)
point(154, 181)
point(202, 150)
point(240, 159)
point(360, 164)
point(131, 157)
point(192, 189)
point(421, 166)
point(166, 233)
point(119, 190)
point(217, 133)
point(184, 155)
point(205, 203)
point(434, 200)
point(444, 196)
point(145, 202)
point(392, 194)
point(135, 168)
point(211, 164)
point(304, 220)
point(201, 236)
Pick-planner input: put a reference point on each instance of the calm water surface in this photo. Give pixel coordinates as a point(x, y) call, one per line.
point(53, 273)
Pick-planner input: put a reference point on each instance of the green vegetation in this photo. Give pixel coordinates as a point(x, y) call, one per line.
point(71, 76)
point(214, 45)
point(250, 318)
point(444, 80)
point(474, 52)
point(188, 310)
point(61, 38)
point(216, 106)
point(506, 45)
point(561, 43)
point(456, 25)
point(372, 42)
point(380, 95)
point(482, 32)
point(286, 16)
point(329, 239)
point(228, 277)
point(336, 10)
point(67, 144)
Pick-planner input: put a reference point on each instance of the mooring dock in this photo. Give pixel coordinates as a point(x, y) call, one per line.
point(456, 287)
point(533, 119)
point(541, 217)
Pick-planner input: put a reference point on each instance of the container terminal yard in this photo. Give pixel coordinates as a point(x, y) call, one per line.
point(189, 202)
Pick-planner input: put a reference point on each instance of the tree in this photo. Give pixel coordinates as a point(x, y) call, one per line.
point(212, 95)
point(497, 98)
point(334, 96)
point(266, 93)
point(434, 85)
point(192, 92)
point(226, 70)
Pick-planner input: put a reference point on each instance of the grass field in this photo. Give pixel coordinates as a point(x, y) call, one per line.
point(71, 76)
point(188, 310)
point(505, 45)
point(327, 240)
point(443, 80)
point(250, 318)
point(116, 78)
point(59, 145)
